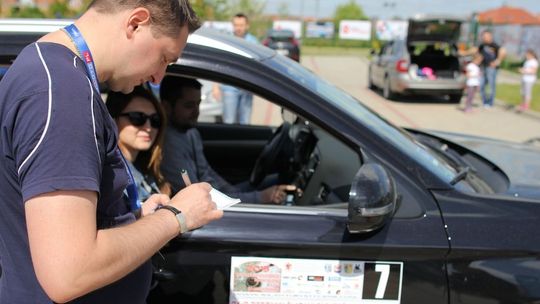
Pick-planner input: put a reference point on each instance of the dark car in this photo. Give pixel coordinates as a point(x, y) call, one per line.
point(284, 42)
point(425, 63)
point(386, 215)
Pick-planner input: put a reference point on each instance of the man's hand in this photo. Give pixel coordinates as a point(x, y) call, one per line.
point(196, 204)
point(276, 194)
point(153, 202)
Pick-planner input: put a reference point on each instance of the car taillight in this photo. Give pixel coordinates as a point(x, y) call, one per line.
point(293, 41)
point(266, 42)
point(402, 66)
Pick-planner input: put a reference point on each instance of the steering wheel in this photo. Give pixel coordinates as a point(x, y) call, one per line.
point(268, 156)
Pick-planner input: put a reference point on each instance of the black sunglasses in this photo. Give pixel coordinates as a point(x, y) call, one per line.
point(138, 119)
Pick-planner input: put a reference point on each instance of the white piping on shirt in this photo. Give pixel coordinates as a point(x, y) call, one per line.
point(48, 112)
point(50, 107)
point(93, 117)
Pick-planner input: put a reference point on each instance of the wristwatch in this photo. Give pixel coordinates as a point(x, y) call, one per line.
point(179, 217)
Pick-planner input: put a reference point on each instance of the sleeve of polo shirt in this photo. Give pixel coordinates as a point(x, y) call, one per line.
point(54, 142)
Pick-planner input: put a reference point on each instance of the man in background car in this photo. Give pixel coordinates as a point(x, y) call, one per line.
point(237, 103)
point(183, 147)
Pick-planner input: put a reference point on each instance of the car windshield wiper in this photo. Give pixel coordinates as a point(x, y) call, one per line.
point(461, 175)
point(443, 149)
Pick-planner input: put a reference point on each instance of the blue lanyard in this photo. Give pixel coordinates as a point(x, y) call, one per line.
point(131, 188)
point(73, 32)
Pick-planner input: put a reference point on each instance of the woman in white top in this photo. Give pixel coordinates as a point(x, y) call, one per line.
point(529, 70)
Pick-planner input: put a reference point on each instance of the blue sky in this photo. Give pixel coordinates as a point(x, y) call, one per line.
point(400, 8)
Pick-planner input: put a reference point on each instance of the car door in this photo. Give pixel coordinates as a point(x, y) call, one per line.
point(376, 67)
point(384, 63)
point(411, 247)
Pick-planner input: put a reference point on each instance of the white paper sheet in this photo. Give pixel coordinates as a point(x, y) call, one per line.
point(222, 200)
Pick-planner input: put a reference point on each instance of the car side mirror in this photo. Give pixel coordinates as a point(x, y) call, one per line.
point(372, 199)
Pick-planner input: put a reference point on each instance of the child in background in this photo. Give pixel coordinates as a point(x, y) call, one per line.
point(473, 80)
point(529, 70)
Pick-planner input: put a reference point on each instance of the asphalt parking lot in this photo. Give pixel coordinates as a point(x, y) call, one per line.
point(350, 74)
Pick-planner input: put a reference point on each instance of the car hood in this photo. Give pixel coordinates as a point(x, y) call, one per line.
point(520, 162)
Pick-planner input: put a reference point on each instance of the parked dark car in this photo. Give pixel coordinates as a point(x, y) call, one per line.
point(425, 63)
point(387, 215)
point(284, 42)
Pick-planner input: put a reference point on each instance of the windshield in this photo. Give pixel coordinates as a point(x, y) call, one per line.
point(396, 136)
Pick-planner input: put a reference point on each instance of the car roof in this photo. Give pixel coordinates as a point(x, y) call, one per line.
point(214, 39)
point(15, 34)
point(32, 26)
point(280, 33)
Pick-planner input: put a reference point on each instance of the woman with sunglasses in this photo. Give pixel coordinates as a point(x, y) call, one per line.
point(141, 121)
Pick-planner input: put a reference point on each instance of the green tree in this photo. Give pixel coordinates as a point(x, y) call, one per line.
point(26, 12)
point(283, 10)
point(349, 11)
point(252, 8)
point(61, 9)
point(211, 9)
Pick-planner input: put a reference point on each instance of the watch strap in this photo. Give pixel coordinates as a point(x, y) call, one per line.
point(179, 217)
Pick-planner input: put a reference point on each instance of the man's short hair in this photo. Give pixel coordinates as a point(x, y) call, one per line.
point(168, 16)
point(172, 88)
point(242, 15)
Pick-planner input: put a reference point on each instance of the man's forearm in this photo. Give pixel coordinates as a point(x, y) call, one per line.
point(72, 258)
point(119, 251)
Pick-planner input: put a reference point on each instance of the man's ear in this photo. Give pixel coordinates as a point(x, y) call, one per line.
point(138, 17)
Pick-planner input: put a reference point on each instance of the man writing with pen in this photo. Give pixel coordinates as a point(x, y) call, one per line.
point(183, 147)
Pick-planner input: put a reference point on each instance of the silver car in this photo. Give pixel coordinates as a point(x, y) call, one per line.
point(425, 63)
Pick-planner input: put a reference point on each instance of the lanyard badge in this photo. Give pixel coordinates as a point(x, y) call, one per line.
point(84, 51)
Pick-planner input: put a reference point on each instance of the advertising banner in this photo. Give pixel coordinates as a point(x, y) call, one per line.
point(320, 30)
point(355, 30)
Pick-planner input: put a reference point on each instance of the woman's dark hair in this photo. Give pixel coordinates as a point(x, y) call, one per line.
point(148, 162)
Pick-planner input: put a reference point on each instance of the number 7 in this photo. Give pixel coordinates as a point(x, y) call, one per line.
point(384, 269)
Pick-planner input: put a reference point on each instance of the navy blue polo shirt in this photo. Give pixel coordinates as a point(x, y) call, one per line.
point(56, 134)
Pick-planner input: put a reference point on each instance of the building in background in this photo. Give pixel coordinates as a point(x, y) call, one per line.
point(514, 28)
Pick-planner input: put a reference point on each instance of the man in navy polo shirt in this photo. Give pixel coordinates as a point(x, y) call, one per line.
point(67, 231)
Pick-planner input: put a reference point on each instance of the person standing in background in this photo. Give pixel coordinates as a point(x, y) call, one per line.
point(237, 103)
point(473, 80)
point(493, 55)
point(528, 72)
